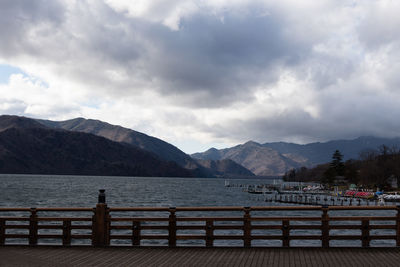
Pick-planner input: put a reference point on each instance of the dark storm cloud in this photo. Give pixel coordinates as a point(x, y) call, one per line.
point(19, 17)
point(211, 60)
point(288, 70)
point(224, 60)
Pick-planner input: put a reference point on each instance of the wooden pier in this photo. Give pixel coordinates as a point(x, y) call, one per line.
point(307, 199)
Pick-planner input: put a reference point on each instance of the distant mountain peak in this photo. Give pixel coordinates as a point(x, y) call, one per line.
point(12, 121)
point(251, 143)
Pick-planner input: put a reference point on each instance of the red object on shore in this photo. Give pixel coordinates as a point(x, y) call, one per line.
point(350, 193)
point(353, 193)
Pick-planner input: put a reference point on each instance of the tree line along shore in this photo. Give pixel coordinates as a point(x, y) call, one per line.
point(374, 169)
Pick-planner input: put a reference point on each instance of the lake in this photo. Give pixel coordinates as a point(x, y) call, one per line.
point(82, 191)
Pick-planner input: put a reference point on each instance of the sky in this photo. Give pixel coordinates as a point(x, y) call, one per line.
point(206, 73)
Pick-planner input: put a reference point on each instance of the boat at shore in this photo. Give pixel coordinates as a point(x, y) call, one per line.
point(252, 189)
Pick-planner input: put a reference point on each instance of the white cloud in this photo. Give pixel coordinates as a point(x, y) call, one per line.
point(207, 72)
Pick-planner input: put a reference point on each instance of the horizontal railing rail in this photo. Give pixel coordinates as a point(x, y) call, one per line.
point(176, 226)
point(32, 222)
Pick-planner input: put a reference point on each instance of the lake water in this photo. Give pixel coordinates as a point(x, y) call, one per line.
point(82, 191)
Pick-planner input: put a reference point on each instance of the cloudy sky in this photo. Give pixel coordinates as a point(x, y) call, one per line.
point(204, 73)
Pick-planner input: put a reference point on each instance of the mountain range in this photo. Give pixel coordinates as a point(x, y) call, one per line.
point(271, 159)
point(81, 146)
point(28, 147)
point(86, 146)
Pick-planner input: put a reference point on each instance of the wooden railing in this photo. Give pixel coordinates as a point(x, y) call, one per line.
point(29, 221)
point(206, 225)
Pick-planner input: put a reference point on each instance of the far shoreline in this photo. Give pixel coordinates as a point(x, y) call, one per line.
point(122, 176)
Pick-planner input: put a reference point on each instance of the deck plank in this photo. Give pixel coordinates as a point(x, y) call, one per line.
point(271, 257)
point(228, 257)
point(112, 259)
point(219, 259)
point(302, 259)
point(386, 257)
point(134, 256)
point(86, 256)
point(193, 254)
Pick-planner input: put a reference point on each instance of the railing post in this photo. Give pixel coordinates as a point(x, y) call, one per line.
point(172, 228)
point(325, 226)
point(99, 222)
point(136, 233)
point(108, 226)
point(102, 196)
point(66, 233)
point(33, 229)
point(365, 233)
point(246, 228)
point(209, 233)
point(2, 231)
point(398, 227)
point(285, 234)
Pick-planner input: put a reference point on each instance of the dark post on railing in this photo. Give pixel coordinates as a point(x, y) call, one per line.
point(172, 227)
point(325, 226)
point(66, 241)
point(365, 233)
point(398, 227)
point(285, 234)
point(102, 196)
point(2, 232)
point(246, 228)
point(135, 233)
point(209, 233)
point(100, 222)
point(33, 229)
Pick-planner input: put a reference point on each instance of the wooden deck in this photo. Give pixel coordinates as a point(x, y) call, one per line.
point(112, 256)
